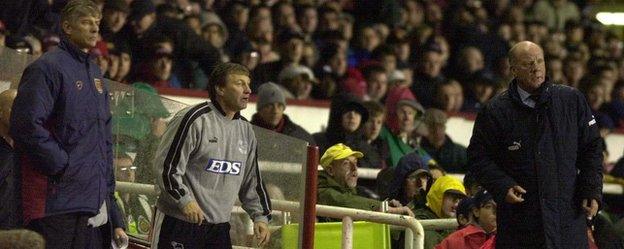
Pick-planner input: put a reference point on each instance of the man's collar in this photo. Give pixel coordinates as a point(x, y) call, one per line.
point(524, 95)
point(73, 50)
point(216, 104)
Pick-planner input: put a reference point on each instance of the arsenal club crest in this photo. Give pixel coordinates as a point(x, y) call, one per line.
point(79, 85)
point(98, 85)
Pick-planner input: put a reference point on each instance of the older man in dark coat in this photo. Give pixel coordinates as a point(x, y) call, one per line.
point(536, 148)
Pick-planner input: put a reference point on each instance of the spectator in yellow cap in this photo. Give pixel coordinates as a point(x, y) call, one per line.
point(338, 179)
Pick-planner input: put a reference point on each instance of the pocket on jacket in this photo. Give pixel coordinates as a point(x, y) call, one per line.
point(73, 132)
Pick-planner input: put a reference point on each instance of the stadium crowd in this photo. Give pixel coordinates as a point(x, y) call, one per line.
point(393, 71)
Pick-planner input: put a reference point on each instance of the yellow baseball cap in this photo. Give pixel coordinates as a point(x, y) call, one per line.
point(337, 152)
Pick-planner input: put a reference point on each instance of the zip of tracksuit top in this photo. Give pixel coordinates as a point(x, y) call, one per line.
point(206, 157)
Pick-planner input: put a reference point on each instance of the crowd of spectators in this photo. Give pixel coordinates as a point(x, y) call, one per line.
point(450, 54)
point(393, 70)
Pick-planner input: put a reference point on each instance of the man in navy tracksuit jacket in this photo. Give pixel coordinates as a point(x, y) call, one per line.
point(61, 124)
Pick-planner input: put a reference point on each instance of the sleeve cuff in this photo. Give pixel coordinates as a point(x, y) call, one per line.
point(184, 201)
point(261, 218)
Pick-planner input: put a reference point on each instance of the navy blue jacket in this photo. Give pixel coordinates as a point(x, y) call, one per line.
point(61, 124)
point(553, 151)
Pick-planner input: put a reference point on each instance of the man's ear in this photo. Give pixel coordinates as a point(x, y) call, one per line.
point(330, 171)
point(512, 70)
point(219, 90)
point(67, 28)
point(475, 212)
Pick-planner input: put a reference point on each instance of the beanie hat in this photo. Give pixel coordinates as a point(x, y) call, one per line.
point(269, 93)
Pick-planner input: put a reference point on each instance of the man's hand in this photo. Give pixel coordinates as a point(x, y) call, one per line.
point(514, 195)
point(262, 233)
point(394, 203)
point(193, 212)
point(121, 238)
point(401, 210)
point(591, 208)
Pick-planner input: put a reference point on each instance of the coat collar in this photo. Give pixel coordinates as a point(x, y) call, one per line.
point(222, 112)
point(73, 50)
point(545, 90)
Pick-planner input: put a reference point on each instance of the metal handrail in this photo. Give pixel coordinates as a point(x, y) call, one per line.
point(371, 174)
point(414, 236)
point(415, 228)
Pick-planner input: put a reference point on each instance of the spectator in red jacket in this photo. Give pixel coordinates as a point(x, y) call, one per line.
point(481, 228)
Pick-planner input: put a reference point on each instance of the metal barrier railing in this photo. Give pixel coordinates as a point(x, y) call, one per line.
point(414, 234)
point(371, 174)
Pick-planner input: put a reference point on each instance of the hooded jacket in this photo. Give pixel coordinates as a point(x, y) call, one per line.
point(553, 151)
point(437, 191)
point(433, 210)
point(336, 134)
point(333, 194)
point(409, 163)
point(397, 148)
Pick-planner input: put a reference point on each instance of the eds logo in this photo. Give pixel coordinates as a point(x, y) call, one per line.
point(224, 167)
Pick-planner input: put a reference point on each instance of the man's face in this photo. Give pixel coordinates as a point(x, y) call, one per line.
point(338, 63)
point(474, 60)
point(449, 204)
point(272, 113)
point(529, 68)
point(235, 93)
point(240, 15)
point(351, 121)
point(432, 64)
point(415, 184)
point(486, 216)
point(115, 20)
point(330, 21)
point(287, 16)
point(124, 66)
point(292, 50)
point(406, 115)
point(389, 62)
point(574, 70)
point(213, 35)
point(309, 20)
point(83, 32)
point(141, 25)
point(437, 134)
point(344, 171)
point(595, 97)
point(124, 170)
point(372, 127)
point(161, 68)
point(370, 39)
point(102, 62)
point(301, 87)
point(377, 86)
point(113, 62)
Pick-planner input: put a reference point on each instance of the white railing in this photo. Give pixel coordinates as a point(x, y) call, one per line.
point(414, 229)
point(371, 174)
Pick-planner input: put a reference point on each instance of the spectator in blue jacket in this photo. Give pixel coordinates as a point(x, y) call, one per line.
point(61, 124)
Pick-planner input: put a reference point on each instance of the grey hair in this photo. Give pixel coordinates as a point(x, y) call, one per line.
point(75, 9)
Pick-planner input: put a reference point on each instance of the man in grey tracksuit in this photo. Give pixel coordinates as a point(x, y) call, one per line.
point(206, 157)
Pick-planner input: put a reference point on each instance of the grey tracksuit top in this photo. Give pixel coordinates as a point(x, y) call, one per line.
point(204, 156)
